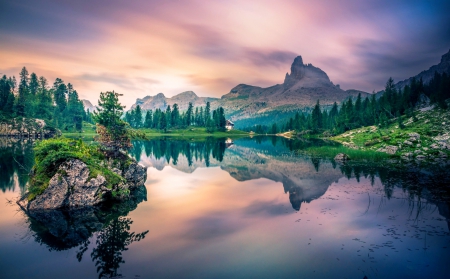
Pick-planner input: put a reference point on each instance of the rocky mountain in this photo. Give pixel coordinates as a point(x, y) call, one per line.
point(160, 101)
point(89, 106)
point(300, 90)
point(247, 105)
point(426, 76)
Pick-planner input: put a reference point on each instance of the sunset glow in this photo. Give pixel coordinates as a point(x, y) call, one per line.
point(142, 48)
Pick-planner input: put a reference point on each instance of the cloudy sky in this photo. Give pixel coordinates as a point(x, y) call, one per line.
point(141, 48)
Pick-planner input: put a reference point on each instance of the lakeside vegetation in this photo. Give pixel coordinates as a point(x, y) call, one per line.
point(378, 109)
point(423, 136)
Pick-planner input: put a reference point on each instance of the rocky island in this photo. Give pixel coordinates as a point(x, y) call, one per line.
point(70, 174)
point(63, 179)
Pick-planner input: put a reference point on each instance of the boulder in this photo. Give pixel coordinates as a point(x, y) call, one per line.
point(71, 187)
point(414, 137)
point(390, 149)
point(341, 157)
point(406, 142)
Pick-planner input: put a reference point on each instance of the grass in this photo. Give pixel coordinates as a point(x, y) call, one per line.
point(427, 123)
point(354, 154)
point(190, 132)
point(51, 153)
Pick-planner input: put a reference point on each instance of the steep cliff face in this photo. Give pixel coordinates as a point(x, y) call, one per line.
point(426, 76)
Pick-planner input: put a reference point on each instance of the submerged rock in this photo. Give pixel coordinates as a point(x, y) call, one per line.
point(72, 187)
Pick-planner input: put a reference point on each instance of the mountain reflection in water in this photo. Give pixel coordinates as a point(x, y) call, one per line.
point(304, 178)
point(217, 210)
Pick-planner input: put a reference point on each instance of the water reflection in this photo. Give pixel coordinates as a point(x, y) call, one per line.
point(16, 161)
point(217, 210)
point(61, 230)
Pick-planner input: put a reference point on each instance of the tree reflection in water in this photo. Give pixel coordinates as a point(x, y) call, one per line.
point(111, 242)
point(61, 230)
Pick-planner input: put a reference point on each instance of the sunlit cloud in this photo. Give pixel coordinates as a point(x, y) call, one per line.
point(143, 48)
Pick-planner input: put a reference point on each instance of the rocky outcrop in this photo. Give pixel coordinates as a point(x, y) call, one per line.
point(341, 158)
point(390, 149)
point(73, 187)
point(27, 128)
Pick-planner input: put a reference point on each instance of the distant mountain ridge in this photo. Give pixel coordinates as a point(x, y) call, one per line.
point(247, 104)
point(89, 106)
point(427, 75)
point(160, 101)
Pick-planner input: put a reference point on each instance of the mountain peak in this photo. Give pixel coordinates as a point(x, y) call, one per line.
point(305, 75)
point(190, 94)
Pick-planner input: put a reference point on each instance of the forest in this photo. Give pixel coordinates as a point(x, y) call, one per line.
point(372, 110)
point(32, 97)
point(59, 105)
point(171, 117)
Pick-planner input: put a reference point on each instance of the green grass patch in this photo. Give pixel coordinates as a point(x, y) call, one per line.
point(192, 132)
point(354, 154)
point(51, 153)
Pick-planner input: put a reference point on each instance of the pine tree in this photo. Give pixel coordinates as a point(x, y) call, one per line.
point(148, 119)
point(112, 130)
point(21, 103)
point(189, 114)
point(316, 117)
point(175, 117)
point(207, 113)
point(138, 117)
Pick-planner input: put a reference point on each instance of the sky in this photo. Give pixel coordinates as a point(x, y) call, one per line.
point(141, 48)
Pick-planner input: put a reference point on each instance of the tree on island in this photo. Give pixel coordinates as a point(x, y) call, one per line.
point(112, 131)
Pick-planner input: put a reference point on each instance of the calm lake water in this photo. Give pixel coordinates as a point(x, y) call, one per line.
point(251, 209)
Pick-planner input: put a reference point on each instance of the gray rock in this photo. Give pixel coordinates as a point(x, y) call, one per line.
point(341, 157)
point(420, 157)
point(442, 154)
point(390, 149)
point(71, 187)
point(414, 137)
point(135, 175)
point(406, 142)
point(434, 146)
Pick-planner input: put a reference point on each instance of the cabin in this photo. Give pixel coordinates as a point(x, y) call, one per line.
point(229, 125)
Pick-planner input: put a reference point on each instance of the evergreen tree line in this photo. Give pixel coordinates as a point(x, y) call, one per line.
point(171, 150)
point(32, 97)
point(172, 118)
point(370, 110)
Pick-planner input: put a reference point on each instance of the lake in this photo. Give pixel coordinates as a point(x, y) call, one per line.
point(252, 208)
